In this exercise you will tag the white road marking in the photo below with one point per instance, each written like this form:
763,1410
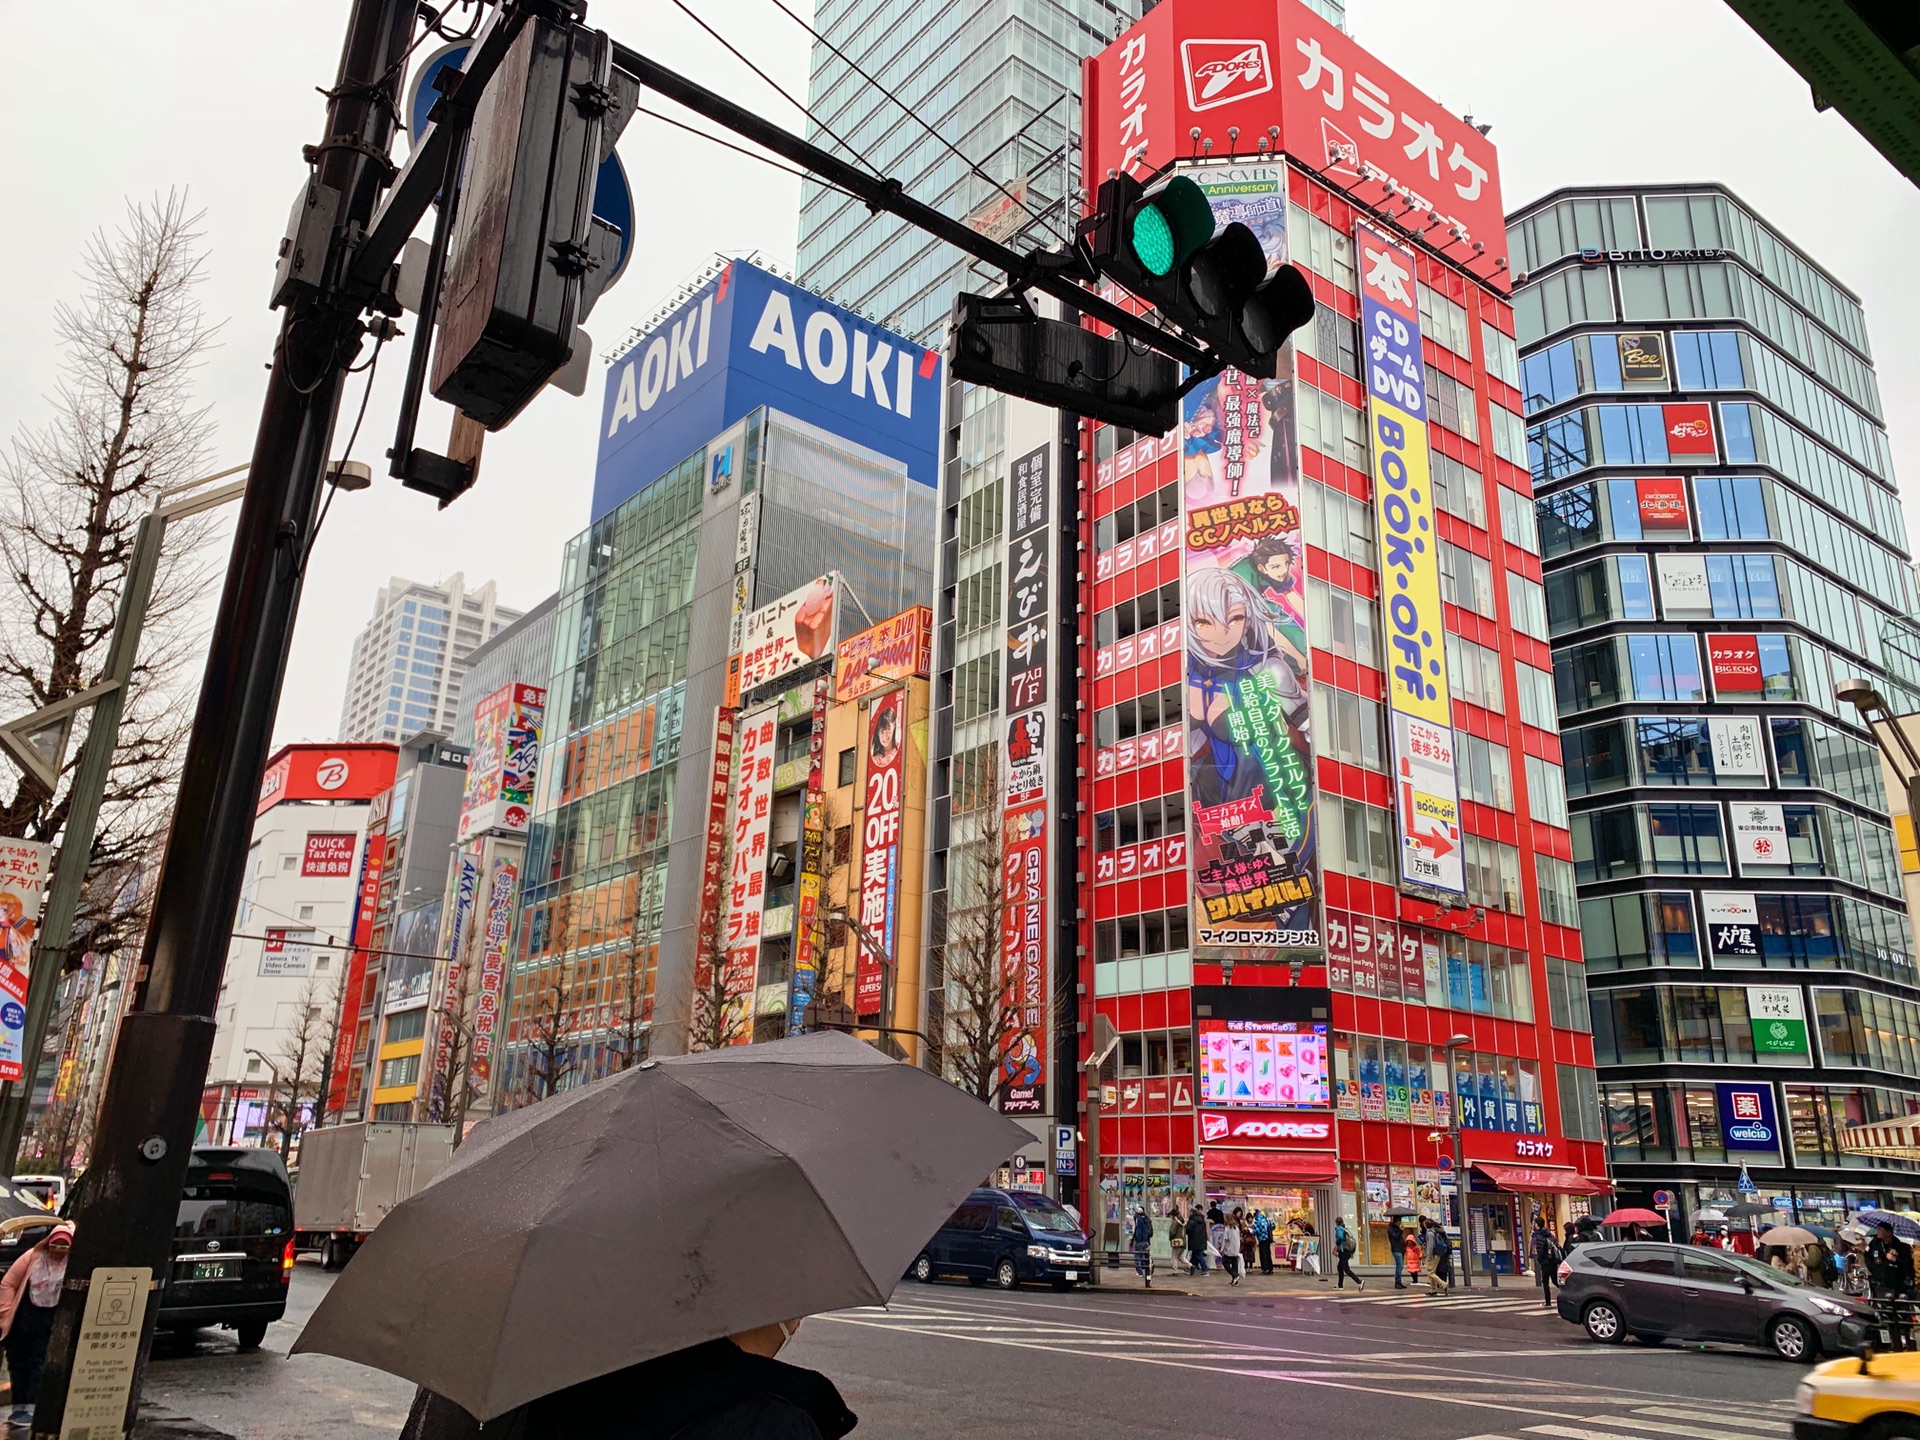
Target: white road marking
1777,1427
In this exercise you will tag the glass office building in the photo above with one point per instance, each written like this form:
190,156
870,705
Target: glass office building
1722,542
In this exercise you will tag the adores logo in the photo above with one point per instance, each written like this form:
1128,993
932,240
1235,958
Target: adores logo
1220,72
1216,1128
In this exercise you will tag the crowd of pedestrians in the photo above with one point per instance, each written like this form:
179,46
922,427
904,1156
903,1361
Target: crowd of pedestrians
1202,1241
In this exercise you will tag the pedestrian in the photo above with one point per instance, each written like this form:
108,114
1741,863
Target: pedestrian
1215,1215
1699,1235
1546,1257
1397,1247
1143,1246
1343,1247
1819,1265
1440,1251
1177,1236
1196,1242
1889,1273
1263,1241
1412,1252
1230,1248
1241,1219
29,1295
1853,1276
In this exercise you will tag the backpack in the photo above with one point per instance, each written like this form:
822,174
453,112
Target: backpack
1346,1242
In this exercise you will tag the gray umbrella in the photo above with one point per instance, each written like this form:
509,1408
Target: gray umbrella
687,1199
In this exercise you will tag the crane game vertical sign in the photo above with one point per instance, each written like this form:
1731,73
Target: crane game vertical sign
1427,795
1023,824
1251,843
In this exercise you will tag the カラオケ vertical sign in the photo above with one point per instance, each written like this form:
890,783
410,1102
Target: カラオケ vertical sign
1419,703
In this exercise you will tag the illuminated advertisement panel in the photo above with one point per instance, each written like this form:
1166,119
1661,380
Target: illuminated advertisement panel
1419,704
1265,1064
1251,842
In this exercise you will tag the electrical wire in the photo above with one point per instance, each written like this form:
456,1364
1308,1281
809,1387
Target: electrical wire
373,362
781,90
914,115
783,168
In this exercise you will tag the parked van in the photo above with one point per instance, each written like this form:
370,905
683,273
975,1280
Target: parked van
1008,1236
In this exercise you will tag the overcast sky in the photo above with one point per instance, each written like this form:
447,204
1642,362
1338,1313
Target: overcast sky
218,96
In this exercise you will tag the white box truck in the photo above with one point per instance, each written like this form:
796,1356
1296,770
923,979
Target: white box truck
352,1175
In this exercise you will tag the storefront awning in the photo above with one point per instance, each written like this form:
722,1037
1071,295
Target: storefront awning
1301,1167
1539,1178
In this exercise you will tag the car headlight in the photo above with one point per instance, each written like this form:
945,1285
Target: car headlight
1828,1307
1039,1252
1803,1398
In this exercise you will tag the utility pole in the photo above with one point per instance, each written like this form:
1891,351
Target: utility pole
145,1133
90,784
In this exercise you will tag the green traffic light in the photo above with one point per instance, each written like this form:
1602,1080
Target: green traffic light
1152,240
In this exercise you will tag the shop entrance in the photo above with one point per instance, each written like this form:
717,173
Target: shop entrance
1300,1214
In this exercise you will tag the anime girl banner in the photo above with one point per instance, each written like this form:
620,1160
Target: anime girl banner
1419,702
1251,842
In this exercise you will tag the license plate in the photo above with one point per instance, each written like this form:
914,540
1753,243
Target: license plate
1073,1274
211,1270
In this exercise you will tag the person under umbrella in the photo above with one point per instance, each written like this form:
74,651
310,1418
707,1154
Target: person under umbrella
497,1289
1890,1274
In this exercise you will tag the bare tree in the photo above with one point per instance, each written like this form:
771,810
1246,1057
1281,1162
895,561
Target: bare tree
550,1048
303,1051
627,985
450,1080
719,1018
968,959
72,491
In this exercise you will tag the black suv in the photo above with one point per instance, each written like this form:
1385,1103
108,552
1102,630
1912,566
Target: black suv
1657,1292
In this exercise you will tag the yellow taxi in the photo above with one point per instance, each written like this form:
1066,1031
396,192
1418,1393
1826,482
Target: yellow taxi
1872,1398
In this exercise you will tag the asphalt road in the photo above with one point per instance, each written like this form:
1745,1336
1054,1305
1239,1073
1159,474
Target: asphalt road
950,1361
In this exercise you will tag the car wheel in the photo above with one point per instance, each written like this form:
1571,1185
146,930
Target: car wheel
923,1270
1793,1338
251,1333
1603,1323
1006,1276
1892,1427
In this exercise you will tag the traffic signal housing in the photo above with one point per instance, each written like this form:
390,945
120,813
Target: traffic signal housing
1213,282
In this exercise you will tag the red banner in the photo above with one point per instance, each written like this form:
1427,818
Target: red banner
1689,431
880,852
1735,662
328,854
714,860
1663,503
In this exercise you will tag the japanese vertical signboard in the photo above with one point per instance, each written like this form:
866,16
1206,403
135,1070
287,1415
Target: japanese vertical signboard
1023,823
708,938
493,967
1251,842
880,851
506,753
750,825
23,877
813,834
1419,703
1778,1016
446,1013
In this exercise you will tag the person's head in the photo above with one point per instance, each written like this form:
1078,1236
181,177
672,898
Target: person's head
1273,560
1224,616
1202,421
766,1340
1883,1231
60,1239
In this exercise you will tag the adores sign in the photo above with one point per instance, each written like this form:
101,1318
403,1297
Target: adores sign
1232,1127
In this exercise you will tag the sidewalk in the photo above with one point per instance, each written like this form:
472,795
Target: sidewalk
1169,1281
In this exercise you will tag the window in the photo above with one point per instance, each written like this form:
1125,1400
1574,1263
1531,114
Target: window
1473,674
289,862
976,601
409,1025
976,687
1517,523
305,912
1451,403
1345,623
253,1065
1567,227
1630,932
1527,603
1493,874
1503,357
982,514
1155,710
1559,895
1597,592
1574,296
1537,706
1579,1103
1567,994
1337,523
1444,321
1485,771
401,1070
1336,430
1357,839
1661,839
1509,435
1349,727
1546,792
1145,611
1466,579
1458,489
843,772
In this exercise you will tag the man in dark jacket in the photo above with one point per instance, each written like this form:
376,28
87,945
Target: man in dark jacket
1197,1241
1397,1247
1546,1257
730,1389
1890,1273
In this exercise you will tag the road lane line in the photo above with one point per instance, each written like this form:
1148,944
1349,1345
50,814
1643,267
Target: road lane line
1777,1427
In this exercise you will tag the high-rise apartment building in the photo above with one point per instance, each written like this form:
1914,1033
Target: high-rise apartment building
1325,873
409,660
1722,542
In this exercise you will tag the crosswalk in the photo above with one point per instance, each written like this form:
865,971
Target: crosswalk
1725,1420
1512,1301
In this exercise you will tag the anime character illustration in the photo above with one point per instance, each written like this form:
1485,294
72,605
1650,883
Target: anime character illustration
1200,442
16,933
1020,1066
1273,569
1232,637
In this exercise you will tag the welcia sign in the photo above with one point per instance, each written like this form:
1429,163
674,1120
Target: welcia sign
748,339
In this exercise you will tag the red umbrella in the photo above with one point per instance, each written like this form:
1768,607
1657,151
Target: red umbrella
1634,1217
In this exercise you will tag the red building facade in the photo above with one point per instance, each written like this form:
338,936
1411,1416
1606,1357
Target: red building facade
1314,1077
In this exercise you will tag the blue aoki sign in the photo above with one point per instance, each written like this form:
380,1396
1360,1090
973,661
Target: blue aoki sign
748,339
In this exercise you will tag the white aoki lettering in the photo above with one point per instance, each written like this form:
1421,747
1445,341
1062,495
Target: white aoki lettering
775,330
826,362
680,351
870,367
903,387
626,403
653,371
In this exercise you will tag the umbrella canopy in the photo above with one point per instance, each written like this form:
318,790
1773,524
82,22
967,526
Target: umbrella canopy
1786,1235
1711,1216
1402,1212
1903,1227
1631,1216
1747,1209
606,1226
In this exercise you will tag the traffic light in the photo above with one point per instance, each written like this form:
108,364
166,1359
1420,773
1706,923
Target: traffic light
1212,281
1002,343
